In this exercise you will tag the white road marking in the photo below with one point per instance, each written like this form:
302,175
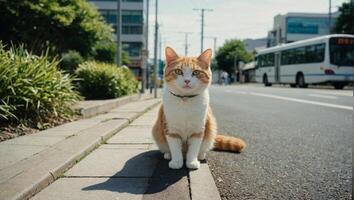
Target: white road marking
302,101
347,94
235,92
322,96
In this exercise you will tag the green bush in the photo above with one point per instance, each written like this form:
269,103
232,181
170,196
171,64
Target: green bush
104,81
70,61
31,87
105,51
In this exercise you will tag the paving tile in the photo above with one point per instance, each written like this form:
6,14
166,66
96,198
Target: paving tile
139,106
94,188
133,135
78,125
34,139
11,154
117,115
116,162
57,133
202,184
168,183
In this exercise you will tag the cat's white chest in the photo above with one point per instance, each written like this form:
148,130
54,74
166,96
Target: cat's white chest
185,116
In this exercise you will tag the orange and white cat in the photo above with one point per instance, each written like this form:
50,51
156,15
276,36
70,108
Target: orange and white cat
186,127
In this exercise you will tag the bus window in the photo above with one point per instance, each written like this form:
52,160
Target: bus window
301,55
342,51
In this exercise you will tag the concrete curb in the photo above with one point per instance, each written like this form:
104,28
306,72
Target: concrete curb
202,184
92,108
48,173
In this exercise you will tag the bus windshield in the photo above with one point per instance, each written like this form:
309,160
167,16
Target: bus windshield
342,51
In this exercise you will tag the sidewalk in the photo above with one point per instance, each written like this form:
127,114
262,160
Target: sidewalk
30,163
128,166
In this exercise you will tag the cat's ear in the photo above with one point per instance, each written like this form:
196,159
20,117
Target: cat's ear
205,57
171,55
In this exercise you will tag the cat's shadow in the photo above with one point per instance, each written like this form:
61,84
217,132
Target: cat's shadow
137,178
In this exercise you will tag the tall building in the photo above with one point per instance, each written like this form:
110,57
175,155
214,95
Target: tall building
292,27
133,29
254,45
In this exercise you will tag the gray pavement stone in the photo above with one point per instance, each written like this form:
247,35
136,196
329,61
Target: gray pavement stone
10,154
127,146
144,122
57,133
139,106
117,115
34,140
167,183
133,135
116,162
94,188
202,184
78,125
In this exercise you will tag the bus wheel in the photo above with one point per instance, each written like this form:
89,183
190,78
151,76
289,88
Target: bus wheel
300,81
338,86
265,81
293,85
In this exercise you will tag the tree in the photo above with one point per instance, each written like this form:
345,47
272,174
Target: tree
345,21
61,24
232,51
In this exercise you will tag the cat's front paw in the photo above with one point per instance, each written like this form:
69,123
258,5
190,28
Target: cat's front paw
195,164
175,164
202,156
167,156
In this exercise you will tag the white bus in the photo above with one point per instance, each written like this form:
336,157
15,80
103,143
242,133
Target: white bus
321,60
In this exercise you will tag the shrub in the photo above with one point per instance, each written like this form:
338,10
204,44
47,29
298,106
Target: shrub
70,61
105,52
31,87
103,81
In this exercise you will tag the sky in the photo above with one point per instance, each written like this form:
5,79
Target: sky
229,19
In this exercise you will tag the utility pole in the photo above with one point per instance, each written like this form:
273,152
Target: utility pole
202,27
155,49
186,42
329,16
215,39
119,34
145,56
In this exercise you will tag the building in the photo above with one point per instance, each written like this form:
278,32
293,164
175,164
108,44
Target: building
133,29
254,45
292,27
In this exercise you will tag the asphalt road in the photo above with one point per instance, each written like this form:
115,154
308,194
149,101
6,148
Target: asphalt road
299,143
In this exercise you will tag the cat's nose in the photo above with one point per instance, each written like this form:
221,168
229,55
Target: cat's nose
187,81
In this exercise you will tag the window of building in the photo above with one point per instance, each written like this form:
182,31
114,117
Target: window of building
132,29
132,48
301,55
109,15
132,17
306,25
132,20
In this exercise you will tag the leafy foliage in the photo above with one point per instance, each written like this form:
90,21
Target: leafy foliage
103,81
345,21
231,51
62,24
70,61
105,52
32,86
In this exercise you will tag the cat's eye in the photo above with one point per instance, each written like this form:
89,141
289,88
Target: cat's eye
178,72
196,73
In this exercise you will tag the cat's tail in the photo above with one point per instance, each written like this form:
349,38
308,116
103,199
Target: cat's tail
228,143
